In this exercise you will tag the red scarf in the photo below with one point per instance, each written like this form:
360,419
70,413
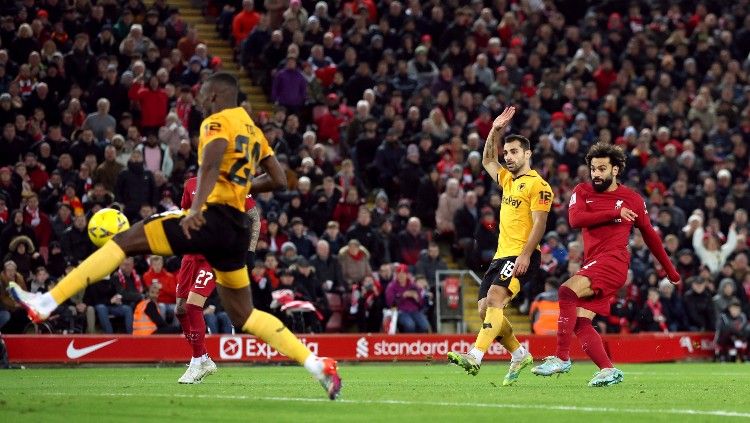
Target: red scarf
136,280
356,256
656,311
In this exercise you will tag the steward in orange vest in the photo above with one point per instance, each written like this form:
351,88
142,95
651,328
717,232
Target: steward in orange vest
146,318
545,310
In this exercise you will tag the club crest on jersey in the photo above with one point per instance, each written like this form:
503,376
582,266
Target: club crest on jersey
618,204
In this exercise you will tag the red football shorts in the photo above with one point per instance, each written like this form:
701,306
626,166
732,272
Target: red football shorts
607,275
195,276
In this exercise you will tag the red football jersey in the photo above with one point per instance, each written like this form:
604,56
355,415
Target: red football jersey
188,193
604,230
598,214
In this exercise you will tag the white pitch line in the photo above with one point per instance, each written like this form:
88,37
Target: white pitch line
719,413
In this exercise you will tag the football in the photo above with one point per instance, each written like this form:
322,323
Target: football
104,224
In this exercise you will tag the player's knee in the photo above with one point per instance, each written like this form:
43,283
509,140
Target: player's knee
238,317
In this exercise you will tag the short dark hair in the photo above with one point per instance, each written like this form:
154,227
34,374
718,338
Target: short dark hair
601,150
525,143
224,79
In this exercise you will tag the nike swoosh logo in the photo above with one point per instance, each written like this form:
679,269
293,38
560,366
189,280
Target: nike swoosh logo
74,352
589,201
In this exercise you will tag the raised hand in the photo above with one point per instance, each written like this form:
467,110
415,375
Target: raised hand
504,119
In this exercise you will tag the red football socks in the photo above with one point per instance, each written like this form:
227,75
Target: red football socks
197,335
566,323
592,343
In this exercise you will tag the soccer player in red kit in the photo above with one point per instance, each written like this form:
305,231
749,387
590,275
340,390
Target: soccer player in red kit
196,282
605,211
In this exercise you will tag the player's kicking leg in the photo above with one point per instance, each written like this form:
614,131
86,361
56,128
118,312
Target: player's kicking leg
238,304
98,265
593,346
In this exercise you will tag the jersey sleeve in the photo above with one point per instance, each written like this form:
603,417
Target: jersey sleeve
579,214
265,147
214,128
541,196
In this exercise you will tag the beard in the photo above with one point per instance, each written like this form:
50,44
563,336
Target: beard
601,185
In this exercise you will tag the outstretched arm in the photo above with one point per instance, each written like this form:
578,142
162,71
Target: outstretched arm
656,246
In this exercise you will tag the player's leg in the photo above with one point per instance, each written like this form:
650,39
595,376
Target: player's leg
576,287
593,346
201,364
234,291
98,265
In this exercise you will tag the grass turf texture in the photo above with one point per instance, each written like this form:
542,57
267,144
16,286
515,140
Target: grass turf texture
375,392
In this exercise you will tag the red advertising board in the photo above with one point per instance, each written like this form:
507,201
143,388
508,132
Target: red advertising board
641,348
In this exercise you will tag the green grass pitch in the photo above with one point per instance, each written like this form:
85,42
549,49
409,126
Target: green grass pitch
375,392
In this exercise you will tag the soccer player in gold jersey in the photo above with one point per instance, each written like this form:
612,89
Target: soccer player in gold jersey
230,149
527,199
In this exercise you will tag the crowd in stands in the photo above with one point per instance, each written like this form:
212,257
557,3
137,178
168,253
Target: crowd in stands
382,109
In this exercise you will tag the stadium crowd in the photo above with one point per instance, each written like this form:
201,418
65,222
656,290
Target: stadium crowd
382,111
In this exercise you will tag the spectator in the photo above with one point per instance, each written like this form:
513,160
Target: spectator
217,320
709,251
21,252
724,295
100,121
39,222
450,201
545,309
289,86
732,331
157,274
363,231
131,286
156,155
147,319
407,298
699,307
106,172
11,314
106,297
651,317
75,240
305,275
152,100
411,241
430,263
354,260
244,22
327,267
672,307
15,228
300,240
333,236
135,186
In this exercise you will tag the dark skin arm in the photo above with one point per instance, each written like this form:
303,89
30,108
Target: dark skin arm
208,174
274,177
